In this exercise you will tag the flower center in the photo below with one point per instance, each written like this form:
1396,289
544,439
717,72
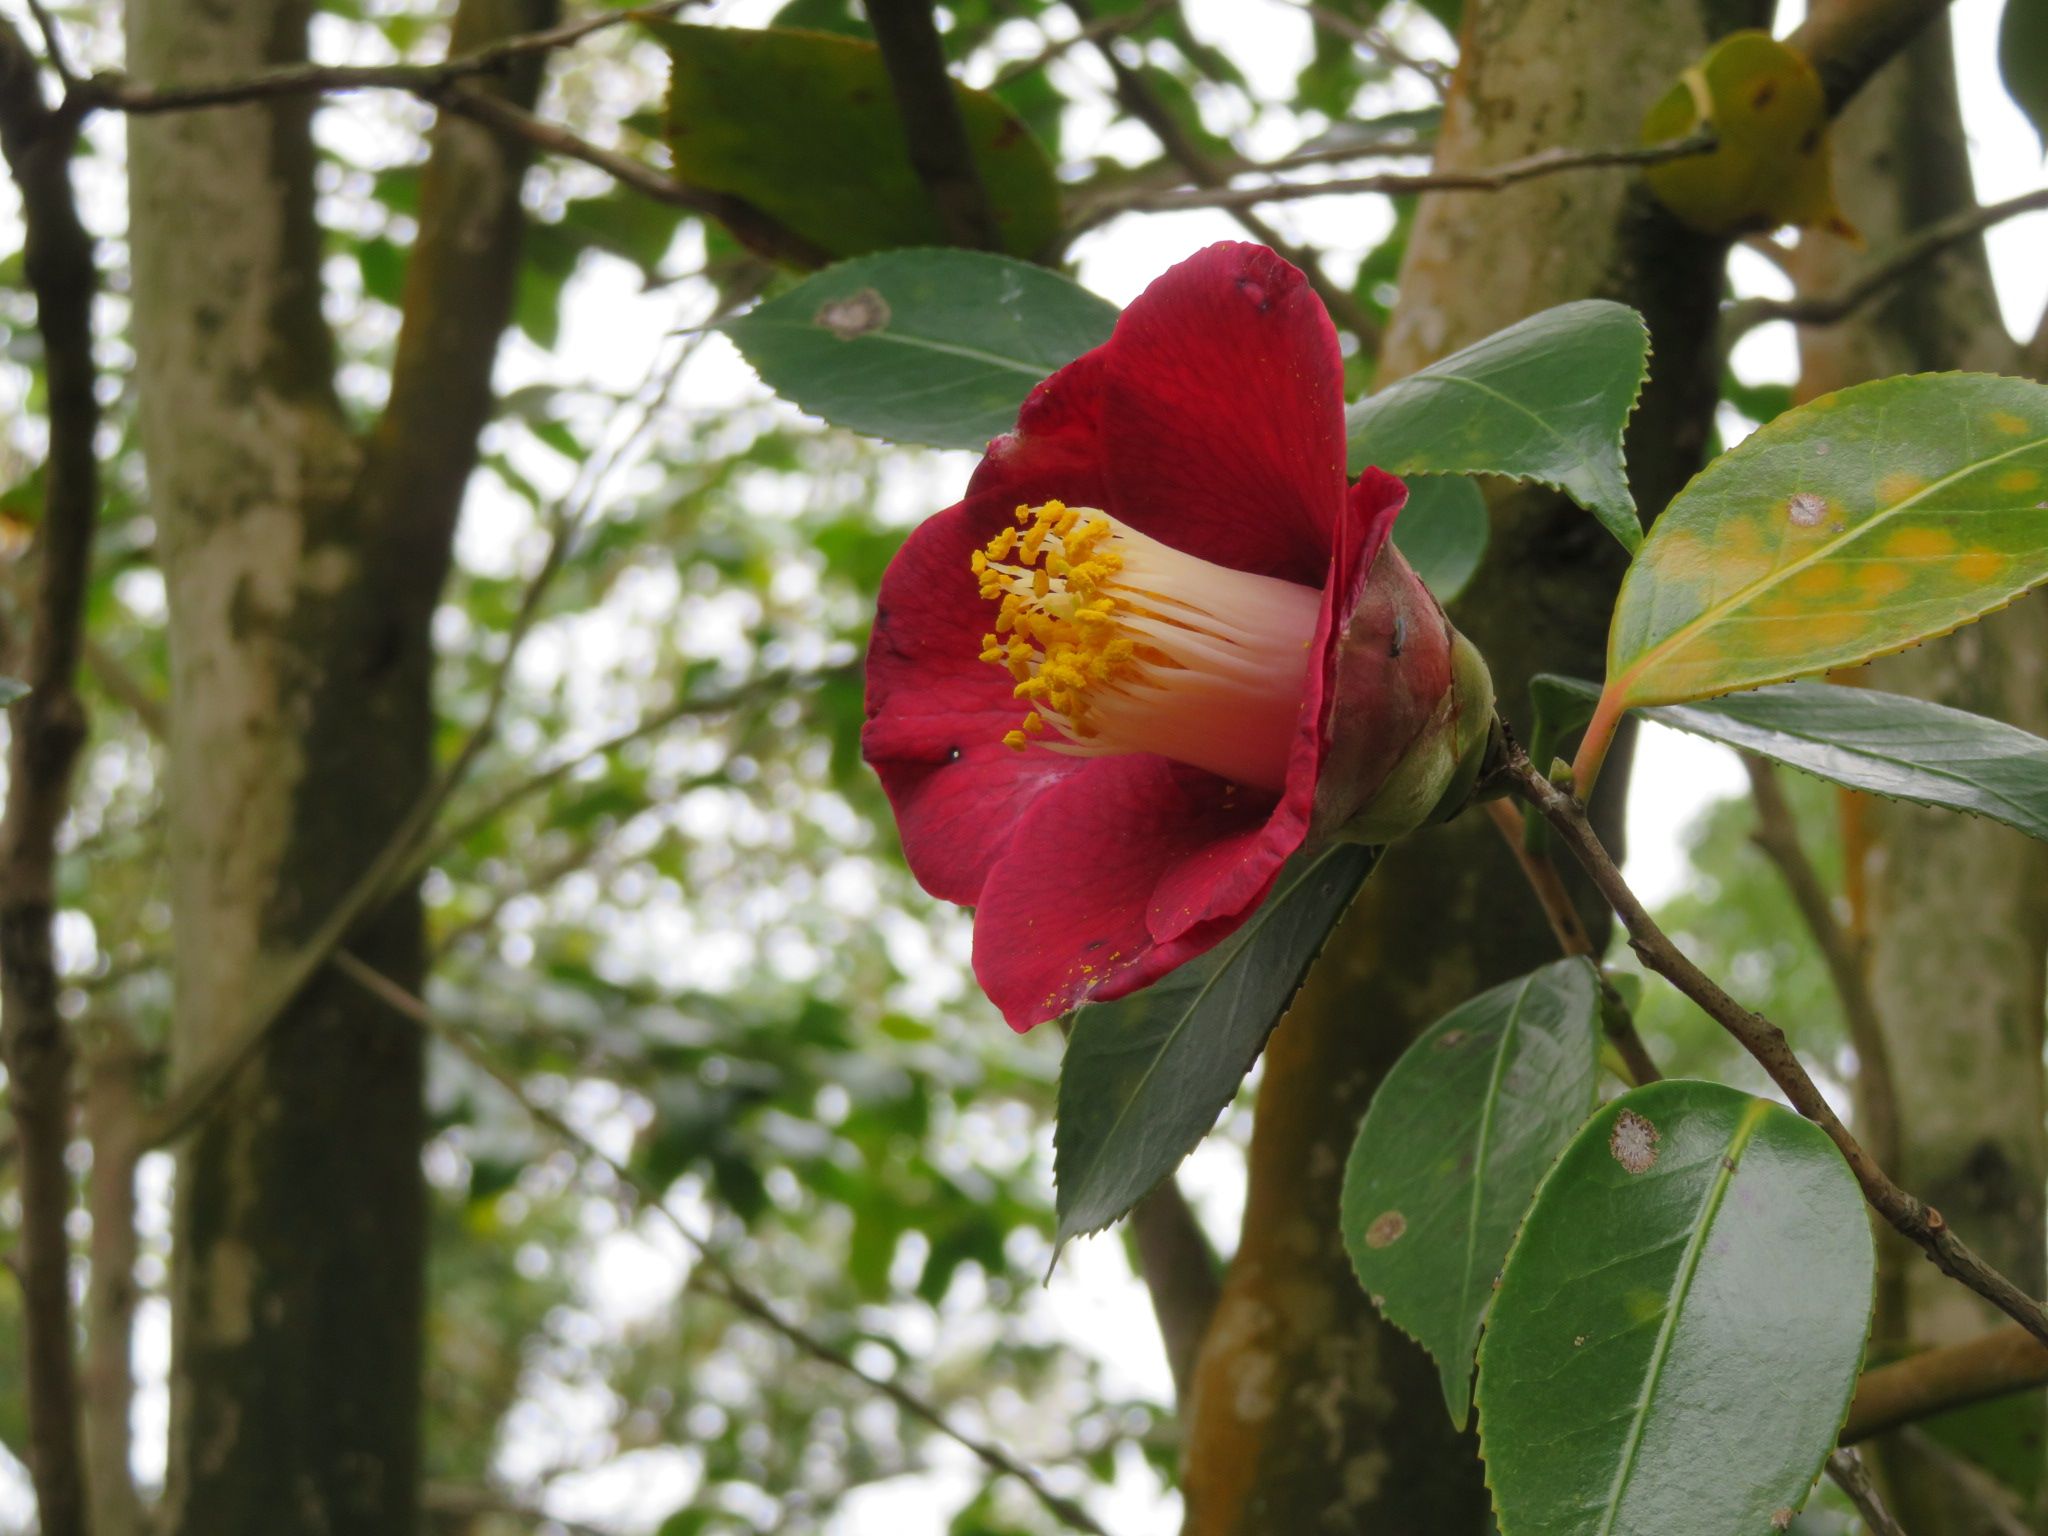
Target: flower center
1122,644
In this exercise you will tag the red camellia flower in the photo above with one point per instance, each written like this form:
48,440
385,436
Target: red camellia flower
1160,647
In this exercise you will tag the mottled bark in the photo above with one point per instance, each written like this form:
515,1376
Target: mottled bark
1957,909
302,566
1310,1415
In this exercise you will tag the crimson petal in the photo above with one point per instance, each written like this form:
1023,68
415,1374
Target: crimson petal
937,713
1222,405
1063,917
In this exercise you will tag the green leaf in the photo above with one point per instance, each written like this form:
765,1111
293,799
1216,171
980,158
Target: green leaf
1857,525
1880,743
1452,1149
2023,59
1770,162
1680,1325
1544,400
937,347
1146,1076
1443,532
804,127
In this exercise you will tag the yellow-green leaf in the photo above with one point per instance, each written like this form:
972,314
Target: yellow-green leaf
803,127
1766,107
1859,524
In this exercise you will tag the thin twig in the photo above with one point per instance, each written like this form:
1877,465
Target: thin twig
1547,884
1899,262
1846,1467
49,730
758,230
1547,162
53,45
652,724
1777,835
934,133
1107,27
724,1281
1765,1042
445,85
115,92
1949,1376
1380,43
1135,92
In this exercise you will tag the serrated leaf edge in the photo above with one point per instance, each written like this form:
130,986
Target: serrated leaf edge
1061,1236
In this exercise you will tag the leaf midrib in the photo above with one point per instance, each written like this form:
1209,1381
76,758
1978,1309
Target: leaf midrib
923,343
1681,1285
1715,614
1500,1057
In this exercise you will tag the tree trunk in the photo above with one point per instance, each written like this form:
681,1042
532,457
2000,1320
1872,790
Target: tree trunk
1310,1415
1957,909
302,566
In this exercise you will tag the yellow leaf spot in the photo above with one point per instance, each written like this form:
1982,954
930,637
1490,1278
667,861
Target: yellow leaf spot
1898,485
1921,543
1981,565
2018,480
2005,421
1828,630
1875,583
1818,581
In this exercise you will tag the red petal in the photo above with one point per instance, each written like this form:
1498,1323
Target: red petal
1223,414
937,713
1063,918
1056,452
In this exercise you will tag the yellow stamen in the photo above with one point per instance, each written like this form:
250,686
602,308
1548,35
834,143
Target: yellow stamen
1123,644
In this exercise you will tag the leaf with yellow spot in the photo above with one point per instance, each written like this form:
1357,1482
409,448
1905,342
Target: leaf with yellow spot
1857,525
1769,114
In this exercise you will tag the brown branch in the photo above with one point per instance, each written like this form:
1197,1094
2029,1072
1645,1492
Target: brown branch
722,1281
116,93
1847,44
757,230
1135,92
1547,162
1922,246
1544,881
933,131
1767,1044
451,85
1846,1467
1950,1376
1180,1273
1777,835
53,45
1547,885
49,730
